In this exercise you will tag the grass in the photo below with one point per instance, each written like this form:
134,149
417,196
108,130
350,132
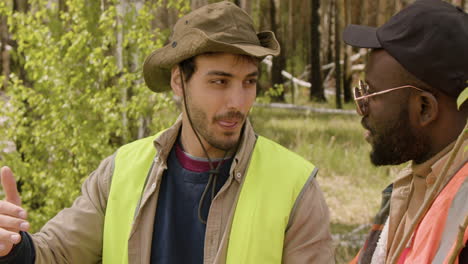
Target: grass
335,144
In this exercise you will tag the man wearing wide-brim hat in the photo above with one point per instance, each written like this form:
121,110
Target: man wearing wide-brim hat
206,190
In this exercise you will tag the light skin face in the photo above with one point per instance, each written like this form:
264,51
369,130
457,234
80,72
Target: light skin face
397,122
219,95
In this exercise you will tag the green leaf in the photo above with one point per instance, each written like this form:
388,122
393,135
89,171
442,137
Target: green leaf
462,98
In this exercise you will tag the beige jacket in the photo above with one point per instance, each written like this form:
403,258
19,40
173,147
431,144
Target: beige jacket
413,188
75,235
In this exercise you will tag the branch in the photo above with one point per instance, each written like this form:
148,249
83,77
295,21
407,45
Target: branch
460,243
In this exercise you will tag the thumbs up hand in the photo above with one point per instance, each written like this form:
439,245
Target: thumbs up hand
12,216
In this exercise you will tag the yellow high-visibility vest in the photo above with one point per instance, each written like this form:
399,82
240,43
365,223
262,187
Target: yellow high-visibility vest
275,177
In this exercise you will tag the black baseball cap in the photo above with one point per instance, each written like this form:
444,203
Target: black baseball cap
429,38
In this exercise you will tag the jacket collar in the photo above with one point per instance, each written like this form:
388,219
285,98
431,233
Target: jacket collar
425,168
164,143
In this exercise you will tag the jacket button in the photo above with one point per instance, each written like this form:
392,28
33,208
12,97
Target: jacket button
153,186
238,176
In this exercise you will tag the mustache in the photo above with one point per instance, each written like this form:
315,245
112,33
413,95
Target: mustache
230,115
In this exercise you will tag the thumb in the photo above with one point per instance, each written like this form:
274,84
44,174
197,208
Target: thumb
9,186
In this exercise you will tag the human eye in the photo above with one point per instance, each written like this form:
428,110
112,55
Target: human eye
252,81
218,81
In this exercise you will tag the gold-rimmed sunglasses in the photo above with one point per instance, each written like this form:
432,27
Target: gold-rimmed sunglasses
362,95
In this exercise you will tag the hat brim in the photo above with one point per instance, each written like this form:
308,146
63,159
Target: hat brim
157,66
361,36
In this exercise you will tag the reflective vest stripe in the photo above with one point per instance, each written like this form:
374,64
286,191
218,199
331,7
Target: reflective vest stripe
457,213
436,223
275,177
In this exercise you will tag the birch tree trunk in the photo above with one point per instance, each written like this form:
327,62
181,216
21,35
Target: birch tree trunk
119,56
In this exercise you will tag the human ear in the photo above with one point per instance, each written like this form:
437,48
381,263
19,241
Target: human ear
428,108
176,81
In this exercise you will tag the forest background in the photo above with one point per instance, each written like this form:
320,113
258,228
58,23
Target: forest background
72,92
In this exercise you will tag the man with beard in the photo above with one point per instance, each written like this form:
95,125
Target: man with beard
417,68
206,190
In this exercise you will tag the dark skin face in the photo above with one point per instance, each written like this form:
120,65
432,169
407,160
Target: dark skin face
406,124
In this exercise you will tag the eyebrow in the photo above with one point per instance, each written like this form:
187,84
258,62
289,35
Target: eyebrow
227,74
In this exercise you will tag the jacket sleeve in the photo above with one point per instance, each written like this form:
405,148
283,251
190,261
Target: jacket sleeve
308,238
75,234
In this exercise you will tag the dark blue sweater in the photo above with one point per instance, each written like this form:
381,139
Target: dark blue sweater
179,235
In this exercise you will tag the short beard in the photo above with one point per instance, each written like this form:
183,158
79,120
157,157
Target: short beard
399,143
200,124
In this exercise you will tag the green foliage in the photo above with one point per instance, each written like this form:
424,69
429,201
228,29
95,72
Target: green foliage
463,97
182,5
83,95
272,92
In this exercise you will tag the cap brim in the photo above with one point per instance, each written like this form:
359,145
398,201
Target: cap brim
361,36
157,66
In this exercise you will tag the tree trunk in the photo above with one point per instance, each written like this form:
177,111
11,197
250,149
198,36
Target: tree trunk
246,5
460,3
21,5
122,6
391,10
16,65
373,11
403,3
62,5
329,54
198,3
315,77
293,42
357,12
305,16
347,74
280,61
337,19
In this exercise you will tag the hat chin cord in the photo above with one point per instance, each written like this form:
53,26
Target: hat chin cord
214,172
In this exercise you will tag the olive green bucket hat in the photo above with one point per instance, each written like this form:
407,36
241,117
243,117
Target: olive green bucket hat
219,27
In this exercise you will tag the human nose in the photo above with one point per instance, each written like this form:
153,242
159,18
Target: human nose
236,98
